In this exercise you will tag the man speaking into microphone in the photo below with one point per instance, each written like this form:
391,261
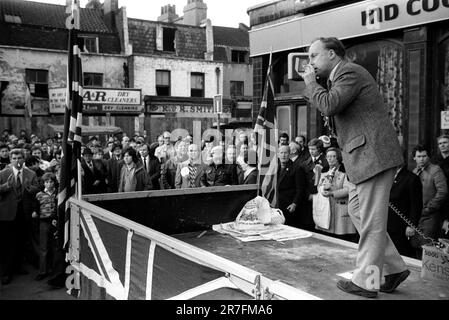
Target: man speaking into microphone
371,154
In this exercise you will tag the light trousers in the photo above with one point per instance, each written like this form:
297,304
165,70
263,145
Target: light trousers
368,209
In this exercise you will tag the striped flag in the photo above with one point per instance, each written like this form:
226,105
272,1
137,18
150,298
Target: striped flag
71,144
267,141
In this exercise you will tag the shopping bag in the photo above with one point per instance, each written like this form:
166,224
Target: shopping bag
321,211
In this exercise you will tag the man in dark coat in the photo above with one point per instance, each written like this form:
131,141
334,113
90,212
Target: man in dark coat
94,174
406,196
114,166
291,190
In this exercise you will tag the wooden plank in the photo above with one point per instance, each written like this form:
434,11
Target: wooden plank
312,265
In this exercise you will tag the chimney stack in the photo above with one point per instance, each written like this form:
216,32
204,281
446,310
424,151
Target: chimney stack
195,12
110,7
168,14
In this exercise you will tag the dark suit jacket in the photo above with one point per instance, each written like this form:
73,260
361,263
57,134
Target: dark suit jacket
250,179
114,167
99,173
364,132
405,195
291,186
9,196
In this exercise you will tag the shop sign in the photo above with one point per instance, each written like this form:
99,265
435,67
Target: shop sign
112,96
189,111
100,100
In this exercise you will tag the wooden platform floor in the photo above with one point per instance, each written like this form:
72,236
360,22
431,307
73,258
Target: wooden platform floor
312,265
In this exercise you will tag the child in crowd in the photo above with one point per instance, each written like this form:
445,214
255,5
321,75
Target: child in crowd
45,211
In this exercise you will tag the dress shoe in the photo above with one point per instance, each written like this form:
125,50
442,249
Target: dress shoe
392,281
6,280
352,288
41,276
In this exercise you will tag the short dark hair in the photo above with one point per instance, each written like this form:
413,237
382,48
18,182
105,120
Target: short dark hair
315,142
420,148
3,146
31,161
332,43
338,152
132,153
284,135
49,176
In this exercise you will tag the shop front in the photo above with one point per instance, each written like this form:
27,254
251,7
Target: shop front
403,44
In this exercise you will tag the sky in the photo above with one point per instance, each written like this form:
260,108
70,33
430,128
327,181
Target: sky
226,13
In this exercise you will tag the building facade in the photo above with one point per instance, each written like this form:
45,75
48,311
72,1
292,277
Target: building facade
403,44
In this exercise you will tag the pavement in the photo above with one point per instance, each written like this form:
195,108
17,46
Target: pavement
25,287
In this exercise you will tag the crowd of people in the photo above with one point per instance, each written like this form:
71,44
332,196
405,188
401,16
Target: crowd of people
307,172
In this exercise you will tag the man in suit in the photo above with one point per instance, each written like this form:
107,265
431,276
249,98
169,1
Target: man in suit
291,189
371,154
18,186
114,166
94,174
191,173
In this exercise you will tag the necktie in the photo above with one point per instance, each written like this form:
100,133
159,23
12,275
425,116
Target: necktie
91,167
145,163
192,174
19,185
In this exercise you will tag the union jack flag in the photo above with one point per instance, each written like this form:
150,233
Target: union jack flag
71,144
267,141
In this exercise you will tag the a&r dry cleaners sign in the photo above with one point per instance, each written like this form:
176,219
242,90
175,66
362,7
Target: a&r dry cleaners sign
100,100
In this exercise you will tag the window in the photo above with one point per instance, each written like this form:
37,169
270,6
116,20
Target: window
197,85
12,19
166,39
90,44
169,39
239,56
93,79
163,83
237,88
37,81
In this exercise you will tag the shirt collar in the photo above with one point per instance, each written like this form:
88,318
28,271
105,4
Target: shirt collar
48,191
331,76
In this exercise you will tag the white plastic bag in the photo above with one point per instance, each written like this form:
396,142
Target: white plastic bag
257,213
321,211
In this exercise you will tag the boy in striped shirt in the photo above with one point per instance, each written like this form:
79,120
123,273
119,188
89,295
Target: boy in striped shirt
46,209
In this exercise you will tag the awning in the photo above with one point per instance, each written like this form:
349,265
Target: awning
90,130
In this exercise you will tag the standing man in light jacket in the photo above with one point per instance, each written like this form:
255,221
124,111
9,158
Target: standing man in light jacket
371,153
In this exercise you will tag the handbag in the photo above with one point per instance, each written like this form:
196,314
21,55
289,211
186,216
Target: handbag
321,211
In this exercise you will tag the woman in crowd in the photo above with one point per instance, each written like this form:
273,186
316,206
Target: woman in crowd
334,186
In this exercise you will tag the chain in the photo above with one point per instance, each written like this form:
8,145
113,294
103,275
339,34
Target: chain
435,243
